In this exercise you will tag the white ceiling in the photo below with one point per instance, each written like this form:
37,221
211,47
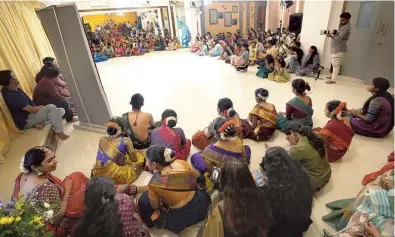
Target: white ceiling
102,4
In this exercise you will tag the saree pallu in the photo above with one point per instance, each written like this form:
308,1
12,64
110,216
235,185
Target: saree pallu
52,192
381,126
264,72
339,136
172,138
218,156
297,104
195,48
117,165
266,125
175,219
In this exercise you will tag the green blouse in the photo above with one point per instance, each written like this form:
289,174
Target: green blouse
316,167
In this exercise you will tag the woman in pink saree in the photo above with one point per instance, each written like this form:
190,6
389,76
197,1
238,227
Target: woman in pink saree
171,137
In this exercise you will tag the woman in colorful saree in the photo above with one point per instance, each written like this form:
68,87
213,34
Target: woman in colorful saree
108,213
299,108
261,123
173,201
376,118
37,184
171,137
309,149
116,158
196,46
225,109
289,192
337,133
227,147
232,212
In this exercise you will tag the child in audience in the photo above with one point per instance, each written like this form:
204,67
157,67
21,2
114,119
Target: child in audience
253,52
280,73
119,50
245,59
267,67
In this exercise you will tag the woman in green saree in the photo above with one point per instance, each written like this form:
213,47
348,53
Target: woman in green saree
299,108
309,149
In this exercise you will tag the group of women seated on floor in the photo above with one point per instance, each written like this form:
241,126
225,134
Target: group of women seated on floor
177,195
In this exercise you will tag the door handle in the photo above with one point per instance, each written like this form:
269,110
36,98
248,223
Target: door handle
378,28
385,28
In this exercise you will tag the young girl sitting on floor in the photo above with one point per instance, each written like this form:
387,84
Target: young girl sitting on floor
245,58
280,73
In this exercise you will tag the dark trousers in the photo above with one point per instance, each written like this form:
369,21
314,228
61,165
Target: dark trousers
63,103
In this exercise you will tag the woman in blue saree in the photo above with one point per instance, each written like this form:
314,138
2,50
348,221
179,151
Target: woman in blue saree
299,108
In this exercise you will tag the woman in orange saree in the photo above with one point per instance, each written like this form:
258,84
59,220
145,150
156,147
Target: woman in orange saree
202,139
337,133
261,123
37,184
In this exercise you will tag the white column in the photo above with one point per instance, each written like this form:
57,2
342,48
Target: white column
172,31
192,19
160,20
316,16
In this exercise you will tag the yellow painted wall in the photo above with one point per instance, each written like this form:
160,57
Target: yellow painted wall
102,18
220,27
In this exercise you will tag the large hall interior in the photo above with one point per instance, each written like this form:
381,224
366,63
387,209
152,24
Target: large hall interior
208,118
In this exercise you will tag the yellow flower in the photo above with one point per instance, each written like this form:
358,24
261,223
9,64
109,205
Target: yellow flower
37,219
19,205
3,220
18,219
11,219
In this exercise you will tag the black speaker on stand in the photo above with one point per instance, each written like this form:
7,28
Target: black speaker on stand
295,23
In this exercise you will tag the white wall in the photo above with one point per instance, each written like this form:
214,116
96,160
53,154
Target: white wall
315,18
334,20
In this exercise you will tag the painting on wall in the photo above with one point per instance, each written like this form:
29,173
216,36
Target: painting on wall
228,19
213,16
235,9
234,22
220,15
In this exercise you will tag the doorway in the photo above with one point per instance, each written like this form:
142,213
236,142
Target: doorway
371,44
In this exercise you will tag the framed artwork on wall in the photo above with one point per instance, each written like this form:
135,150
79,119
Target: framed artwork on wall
235,9
220,15
213,15
228,19
234,22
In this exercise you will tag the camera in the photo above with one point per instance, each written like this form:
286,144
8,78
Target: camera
324,32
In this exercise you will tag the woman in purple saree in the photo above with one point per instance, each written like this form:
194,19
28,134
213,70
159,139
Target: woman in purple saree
376,118
226,148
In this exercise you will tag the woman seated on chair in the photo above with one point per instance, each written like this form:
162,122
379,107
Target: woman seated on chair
170,136
309,149
225,109
232,212
311,65
376,118
173,201
137,123
299,108
261,123
37,184
289,192
337,133
109,213
116,157
226,148
245,56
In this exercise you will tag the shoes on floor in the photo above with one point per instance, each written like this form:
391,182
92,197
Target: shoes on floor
330,82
